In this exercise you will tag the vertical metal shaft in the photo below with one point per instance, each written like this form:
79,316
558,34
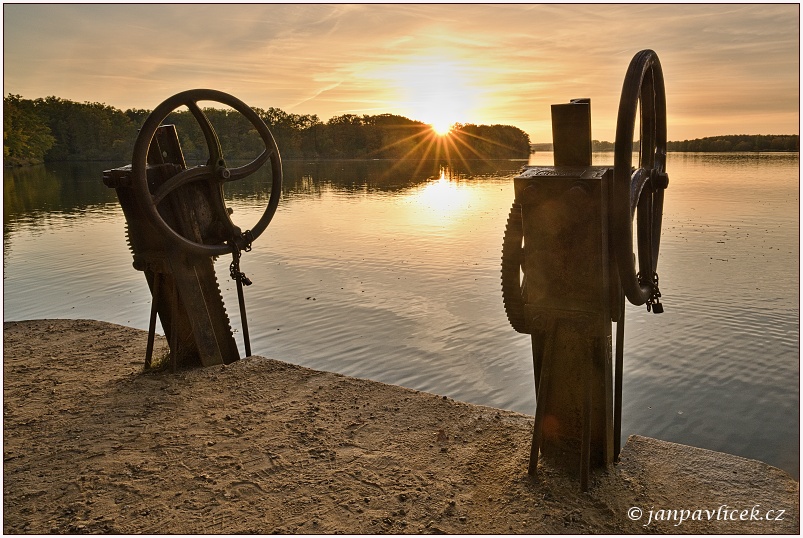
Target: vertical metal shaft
243,317
617,392
571,133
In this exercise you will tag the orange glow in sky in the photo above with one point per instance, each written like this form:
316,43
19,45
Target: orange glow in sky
729,68
433,88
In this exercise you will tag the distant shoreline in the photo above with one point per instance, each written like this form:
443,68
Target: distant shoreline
363,159
681,151
771,143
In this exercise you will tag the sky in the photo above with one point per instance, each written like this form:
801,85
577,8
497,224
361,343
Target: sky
729,68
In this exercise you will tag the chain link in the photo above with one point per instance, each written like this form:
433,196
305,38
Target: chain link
654,300
236,253
249,238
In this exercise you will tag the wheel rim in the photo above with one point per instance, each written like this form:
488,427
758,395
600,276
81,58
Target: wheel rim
640,191
214,170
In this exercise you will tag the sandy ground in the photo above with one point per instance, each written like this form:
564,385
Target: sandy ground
93,444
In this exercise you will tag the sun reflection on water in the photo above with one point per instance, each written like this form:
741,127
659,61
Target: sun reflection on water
442,200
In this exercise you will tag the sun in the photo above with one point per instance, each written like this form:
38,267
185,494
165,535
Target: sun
442,128
436,88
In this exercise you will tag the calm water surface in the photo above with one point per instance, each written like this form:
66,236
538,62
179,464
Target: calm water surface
392,274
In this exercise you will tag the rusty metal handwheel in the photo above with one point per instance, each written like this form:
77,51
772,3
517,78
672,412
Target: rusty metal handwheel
215,171
513,288
641,189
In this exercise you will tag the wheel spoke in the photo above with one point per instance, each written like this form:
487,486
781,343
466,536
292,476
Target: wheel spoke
657,217
248,169
212,141
637,182
182,178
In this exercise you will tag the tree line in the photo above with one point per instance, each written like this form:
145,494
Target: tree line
710,144
738,143
55,129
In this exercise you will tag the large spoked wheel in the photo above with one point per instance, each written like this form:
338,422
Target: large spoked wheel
215,172
640,190
513,286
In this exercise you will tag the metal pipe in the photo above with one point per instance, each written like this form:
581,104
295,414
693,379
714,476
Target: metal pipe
243,317
617,392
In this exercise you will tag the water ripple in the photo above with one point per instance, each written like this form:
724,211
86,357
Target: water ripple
402,286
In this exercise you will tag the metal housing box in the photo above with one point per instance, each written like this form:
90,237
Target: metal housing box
567,303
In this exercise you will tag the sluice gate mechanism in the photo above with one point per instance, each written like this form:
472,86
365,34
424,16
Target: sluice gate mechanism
568,263
178,224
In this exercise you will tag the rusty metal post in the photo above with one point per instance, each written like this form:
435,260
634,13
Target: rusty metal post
564,212
184,287
178,223
571,133
568,263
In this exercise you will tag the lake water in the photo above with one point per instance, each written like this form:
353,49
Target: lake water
392,273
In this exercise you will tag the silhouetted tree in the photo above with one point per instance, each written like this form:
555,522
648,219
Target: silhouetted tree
26,136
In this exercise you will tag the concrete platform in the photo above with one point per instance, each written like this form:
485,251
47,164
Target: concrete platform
94,444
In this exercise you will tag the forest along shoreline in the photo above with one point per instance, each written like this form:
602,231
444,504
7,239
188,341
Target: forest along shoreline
53,129
92,443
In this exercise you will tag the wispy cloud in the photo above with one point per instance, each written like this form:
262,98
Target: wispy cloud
729,68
